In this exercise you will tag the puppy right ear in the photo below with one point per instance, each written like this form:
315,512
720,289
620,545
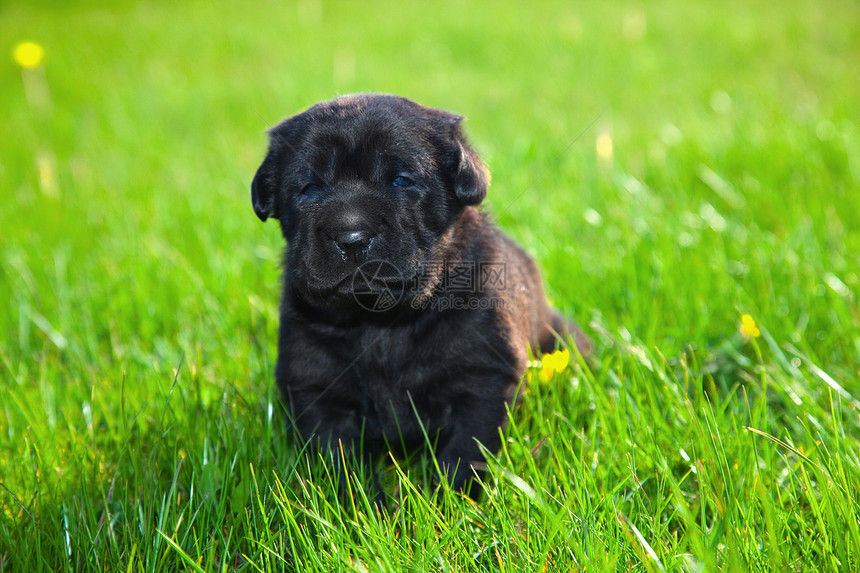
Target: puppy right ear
264,187
269,180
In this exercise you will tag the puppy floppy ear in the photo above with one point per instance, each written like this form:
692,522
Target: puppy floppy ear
268,183
264,187
472,179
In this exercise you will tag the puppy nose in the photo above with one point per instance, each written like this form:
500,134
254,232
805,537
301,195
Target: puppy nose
353,242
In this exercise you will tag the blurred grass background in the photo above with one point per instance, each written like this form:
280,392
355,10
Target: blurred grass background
726,183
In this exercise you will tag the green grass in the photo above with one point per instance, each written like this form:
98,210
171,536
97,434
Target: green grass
139,430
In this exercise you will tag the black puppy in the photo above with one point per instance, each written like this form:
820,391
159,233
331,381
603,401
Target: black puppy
404,309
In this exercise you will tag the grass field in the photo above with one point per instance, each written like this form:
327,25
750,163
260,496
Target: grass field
673,166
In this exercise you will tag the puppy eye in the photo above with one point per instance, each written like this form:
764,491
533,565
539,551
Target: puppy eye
402,181
311,188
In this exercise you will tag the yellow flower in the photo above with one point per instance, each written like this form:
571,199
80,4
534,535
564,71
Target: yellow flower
603,146
550,364
748,326
28,54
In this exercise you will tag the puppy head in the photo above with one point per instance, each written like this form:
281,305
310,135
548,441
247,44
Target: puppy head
365,178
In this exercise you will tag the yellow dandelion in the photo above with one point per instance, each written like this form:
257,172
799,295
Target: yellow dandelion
545,373
562,359
28,54
603,146
749,327
553,363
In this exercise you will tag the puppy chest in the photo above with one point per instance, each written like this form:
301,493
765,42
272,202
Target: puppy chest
398,399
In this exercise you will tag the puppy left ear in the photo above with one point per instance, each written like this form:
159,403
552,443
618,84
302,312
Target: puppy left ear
472,179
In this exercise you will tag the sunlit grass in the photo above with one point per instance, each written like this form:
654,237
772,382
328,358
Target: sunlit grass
686,176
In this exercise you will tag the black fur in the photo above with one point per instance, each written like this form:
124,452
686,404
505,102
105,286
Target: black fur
367,178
